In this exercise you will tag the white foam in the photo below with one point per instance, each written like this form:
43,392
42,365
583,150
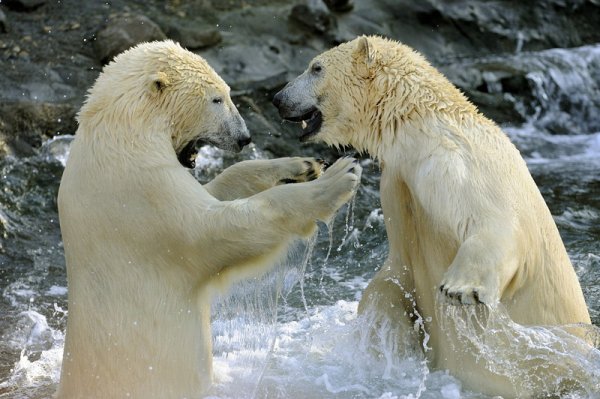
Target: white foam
56,290
209,158
18,293
43,371
580,219
532,358
541,148
38,367
326,354
58,148
450,391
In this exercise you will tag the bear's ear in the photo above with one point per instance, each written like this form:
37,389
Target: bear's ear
158,82
364,56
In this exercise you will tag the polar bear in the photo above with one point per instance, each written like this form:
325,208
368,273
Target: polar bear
146,244
464,218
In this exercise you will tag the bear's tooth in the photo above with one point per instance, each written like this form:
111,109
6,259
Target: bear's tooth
304,124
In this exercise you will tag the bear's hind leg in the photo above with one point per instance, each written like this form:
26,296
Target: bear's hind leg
388,306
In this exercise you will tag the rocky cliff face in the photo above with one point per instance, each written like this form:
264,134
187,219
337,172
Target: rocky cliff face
51,52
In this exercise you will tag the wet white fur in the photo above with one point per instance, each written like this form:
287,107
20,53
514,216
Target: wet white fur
146,244
462,212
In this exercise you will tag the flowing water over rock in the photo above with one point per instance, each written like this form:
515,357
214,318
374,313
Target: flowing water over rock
295,332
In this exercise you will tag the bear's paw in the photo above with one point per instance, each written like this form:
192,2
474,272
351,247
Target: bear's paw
298,170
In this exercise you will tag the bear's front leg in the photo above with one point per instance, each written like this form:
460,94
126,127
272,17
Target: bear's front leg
247,178
257,230
484,265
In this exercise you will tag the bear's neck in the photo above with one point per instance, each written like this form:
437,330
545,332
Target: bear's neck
409,121
397,105
135,144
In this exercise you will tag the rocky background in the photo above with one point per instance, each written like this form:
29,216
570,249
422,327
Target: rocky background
51,51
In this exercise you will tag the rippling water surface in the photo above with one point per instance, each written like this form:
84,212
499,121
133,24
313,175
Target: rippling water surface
295,332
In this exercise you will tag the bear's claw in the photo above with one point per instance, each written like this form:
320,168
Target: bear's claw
462,296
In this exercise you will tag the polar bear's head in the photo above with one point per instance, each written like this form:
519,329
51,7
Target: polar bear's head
327,97
351,91
159,88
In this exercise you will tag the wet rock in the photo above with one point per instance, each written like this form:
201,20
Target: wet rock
259,45
556,88
508,26
314,15
249,67
3,22
496,88
24,5
501,108
194,37
339,5
24,125
123,33
270,133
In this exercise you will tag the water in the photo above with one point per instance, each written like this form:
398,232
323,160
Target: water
277,338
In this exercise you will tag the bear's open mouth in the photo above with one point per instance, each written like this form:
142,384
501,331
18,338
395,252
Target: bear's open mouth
187,156
310,121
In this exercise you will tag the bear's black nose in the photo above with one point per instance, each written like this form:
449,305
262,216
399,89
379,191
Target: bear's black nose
277,99
244,141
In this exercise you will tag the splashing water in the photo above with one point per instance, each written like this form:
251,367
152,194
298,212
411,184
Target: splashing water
295,332
545,360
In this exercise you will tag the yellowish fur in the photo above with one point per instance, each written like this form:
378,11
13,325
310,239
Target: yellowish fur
462,212
146,244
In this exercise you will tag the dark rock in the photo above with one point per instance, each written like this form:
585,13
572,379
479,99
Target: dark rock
258,45
24,125
3,22
498,107
24,5
249,67
496,88
314,15
270,133
194,37
558,89
508,26
123,33
339,5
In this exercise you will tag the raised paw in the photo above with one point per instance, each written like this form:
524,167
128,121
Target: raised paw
342,178
298,170
341,166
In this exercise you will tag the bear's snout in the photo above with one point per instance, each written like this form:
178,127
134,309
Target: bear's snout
277,99
282,102
244,141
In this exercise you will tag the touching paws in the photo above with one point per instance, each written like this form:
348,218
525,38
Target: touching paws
335,187
298,170
348,168
342,179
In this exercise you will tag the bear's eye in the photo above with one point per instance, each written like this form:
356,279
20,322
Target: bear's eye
316,68
217,100
159,85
